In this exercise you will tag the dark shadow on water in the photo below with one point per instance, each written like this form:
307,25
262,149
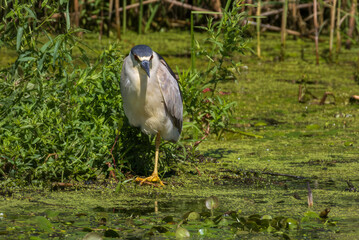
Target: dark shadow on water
218,153
155,206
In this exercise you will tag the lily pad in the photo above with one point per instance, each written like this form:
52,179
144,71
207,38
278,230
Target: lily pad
93,236
182,233
292,224
212,202
193,216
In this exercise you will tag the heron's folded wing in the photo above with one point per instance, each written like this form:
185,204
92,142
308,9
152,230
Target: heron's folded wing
171,93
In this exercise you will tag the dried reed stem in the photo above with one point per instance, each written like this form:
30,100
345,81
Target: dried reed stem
283,32
332,23
310,194
351,24
316,31
117,6
259,29
338,26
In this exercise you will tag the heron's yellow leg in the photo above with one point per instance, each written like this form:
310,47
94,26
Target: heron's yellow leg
154,177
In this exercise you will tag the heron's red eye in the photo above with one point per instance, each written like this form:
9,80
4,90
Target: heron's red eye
137,58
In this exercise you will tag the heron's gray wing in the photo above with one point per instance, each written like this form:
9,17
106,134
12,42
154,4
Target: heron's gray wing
171,93
163,61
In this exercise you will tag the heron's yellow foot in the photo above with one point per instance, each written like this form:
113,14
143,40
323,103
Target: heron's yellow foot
151,179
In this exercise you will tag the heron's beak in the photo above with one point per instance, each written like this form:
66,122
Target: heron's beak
146,66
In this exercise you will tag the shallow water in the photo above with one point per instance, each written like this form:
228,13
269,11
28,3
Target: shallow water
140,213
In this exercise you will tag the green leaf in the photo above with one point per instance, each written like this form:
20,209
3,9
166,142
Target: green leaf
36,140
43,4
44,224
45,46
40,64
32,14
57,45
26,59
10,14
20,32
268,217
312,214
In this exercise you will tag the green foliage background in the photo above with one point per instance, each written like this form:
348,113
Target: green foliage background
61,113
58,119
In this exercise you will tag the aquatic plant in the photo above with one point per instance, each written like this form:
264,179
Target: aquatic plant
112,223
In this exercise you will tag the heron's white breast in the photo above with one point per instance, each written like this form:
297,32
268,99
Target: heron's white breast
143,102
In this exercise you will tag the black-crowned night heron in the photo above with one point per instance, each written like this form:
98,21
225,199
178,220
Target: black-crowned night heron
151,98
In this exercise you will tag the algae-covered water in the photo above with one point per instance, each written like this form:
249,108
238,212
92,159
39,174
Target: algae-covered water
260,180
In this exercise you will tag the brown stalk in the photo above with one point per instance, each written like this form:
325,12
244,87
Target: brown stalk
338,27
250,8
293,9
320,13
206,133
275,12
216,6
310,196
259,29
185,5
316,31
332,23
136,5
117,6
110,6
112,173
300,93
275,28
50,155
77,14
283,31
351,24
326,94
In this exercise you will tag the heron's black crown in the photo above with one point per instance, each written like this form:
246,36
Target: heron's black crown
142,51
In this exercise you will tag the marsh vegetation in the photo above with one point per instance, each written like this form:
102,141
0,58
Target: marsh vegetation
257,132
